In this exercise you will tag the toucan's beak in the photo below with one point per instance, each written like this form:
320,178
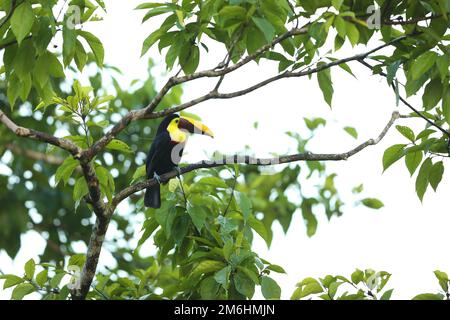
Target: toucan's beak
194,126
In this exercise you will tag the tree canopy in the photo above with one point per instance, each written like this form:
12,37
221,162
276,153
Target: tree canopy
73,150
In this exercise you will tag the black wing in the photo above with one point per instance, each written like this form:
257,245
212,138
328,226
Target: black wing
159,146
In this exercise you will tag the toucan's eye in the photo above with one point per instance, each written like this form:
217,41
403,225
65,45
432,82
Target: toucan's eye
177,121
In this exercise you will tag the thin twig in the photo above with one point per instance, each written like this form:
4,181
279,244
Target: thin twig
236,159
233,188
9,14
405,102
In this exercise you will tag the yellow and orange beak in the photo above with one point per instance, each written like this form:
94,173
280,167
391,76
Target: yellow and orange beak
194,126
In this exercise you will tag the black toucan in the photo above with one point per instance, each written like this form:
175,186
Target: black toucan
167,149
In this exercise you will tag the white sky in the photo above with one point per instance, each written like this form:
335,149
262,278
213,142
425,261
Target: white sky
406,238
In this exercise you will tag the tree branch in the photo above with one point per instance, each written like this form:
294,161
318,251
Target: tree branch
95,194
40,136
236,159
102,222
9,14
92,256
406,103
173,81
35,155
413,20
148,112
287,74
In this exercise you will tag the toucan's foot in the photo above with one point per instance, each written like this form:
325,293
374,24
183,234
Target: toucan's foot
157,177
178,170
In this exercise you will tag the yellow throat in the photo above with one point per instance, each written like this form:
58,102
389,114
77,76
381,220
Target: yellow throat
176,135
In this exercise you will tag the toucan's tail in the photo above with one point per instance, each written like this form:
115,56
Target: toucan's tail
152,197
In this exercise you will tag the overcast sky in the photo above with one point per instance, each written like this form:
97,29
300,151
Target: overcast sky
406,238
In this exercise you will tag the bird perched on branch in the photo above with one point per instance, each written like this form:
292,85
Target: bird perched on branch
167,149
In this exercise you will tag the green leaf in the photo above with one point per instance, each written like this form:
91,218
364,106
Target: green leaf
266,28
387,294
69,43
107,184
119,145
443,279
139,173
232,15
443,64
51,64
276,268
42,278
228,249
80,189
309,286
96,46
259,227
150,225
372,203
352,33
340,26
11,280
441,276
337,3
30,267
310,218
351,131
157,11
432,94
149,5
24,60
13,90
436,174
198,216
22,290
207,266
428,296
392,70
22,21
406,132
446,104
422,64
326,85
270,289
392,155
245,203
54,283
65,170
180,228
357,276
413,160
26,88
338,43
251,274
166,216
209,288
222,277
422,180
77,260
244,284
347,68
189,59
213,181
314,123
151,39
81,56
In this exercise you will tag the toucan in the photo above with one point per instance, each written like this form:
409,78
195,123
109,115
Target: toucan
166,151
